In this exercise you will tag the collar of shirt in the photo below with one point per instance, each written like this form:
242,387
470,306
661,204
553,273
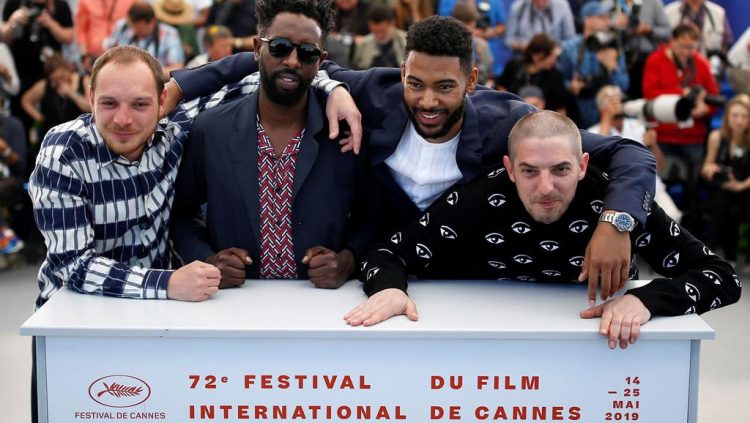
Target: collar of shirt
266,148
105,156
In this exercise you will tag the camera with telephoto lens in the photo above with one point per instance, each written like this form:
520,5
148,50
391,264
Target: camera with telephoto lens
601,40
669,108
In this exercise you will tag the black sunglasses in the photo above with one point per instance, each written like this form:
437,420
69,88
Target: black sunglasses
281,47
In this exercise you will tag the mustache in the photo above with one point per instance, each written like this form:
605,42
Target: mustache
118,128
546,199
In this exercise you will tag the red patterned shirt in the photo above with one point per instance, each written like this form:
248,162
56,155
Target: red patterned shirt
275,177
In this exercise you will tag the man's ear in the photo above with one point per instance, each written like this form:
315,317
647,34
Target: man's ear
471,81
584,165
257,44
509,168
162,101
91,103
403,71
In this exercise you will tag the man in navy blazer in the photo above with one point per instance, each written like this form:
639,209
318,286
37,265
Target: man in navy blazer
281,200
434,96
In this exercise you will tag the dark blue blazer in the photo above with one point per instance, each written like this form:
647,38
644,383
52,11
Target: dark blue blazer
333,196
488,119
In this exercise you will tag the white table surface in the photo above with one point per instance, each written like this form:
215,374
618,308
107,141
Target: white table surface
447,309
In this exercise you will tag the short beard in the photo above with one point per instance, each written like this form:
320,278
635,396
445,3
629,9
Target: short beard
454,117
282,98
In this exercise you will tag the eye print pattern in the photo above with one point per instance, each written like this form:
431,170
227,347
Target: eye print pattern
674,229
576,261
643,240
692,292
423,252
578,226
523,259
716,303
710,274
549,245
671,260
521,228
494,238
496,173
597,206
372,272
496,200
448,233
496,264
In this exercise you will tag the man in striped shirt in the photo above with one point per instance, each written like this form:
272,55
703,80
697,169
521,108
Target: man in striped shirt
102,188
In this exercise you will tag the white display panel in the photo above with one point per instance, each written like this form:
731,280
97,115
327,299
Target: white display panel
235,379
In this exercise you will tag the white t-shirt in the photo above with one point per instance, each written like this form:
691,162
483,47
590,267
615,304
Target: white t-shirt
424,170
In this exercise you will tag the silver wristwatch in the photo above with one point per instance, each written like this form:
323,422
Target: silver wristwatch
623,222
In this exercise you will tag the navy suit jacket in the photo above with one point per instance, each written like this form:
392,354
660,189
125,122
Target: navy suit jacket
488,119
332,196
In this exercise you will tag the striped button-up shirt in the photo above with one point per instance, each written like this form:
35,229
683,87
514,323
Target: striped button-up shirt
104,219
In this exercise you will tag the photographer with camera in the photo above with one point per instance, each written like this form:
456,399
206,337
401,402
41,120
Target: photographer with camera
592,60
530,17
678,68
727,170
34,30
711,20
642,26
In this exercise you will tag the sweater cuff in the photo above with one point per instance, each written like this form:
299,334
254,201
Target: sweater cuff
155,284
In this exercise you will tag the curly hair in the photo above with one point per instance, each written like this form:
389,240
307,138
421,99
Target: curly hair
320,11
441,36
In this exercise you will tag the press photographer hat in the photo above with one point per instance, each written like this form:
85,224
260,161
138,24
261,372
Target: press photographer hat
173,12
594,8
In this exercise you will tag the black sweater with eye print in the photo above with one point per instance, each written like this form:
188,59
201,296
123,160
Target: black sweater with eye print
482,231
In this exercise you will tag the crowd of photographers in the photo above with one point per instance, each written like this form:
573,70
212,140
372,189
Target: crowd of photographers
635,68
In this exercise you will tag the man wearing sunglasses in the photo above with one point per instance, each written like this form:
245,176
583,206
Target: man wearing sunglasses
282,202
429,128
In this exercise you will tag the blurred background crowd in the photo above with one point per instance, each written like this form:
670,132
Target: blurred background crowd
675,77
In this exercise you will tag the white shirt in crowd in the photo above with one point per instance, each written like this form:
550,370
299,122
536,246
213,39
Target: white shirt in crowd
739,54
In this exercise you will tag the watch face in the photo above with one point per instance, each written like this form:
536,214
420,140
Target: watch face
623,222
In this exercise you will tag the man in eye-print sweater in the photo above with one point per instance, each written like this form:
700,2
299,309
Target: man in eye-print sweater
531,221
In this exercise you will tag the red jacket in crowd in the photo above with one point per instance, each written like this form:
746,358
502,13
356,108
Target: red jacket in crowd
661,76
